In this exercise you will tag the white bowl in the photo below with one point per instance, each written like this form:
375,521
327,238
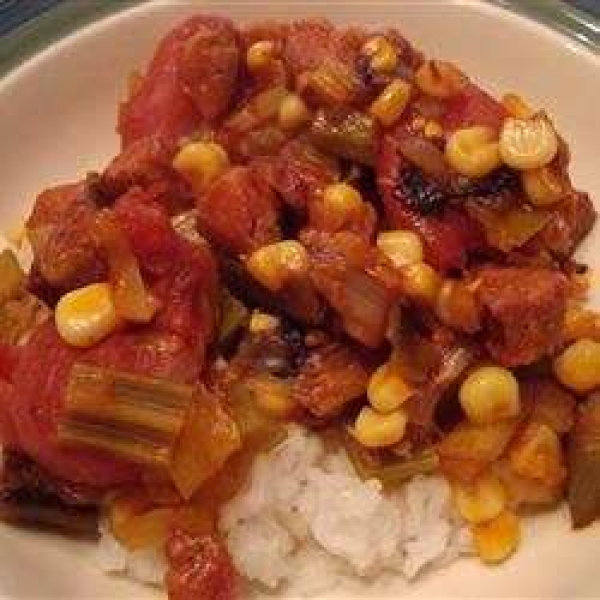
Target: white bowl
57,121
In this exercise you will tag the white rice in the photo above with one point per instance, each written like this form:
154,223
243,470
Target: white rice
305,521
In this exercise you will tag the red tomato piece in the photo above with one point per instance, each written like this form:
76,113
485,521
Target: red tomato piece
199,568
182,275
448,236
165,102
473,107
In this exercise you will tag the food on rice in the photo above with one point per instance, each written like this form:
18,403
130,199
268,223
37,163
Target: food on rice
318,320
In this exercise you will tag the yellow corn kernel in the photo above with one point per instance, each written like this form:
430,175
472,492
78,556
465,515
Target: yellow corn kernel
490,394
200,163
433,129
528,143
390,104
273,395
497,539
259,55
87,315
578,367
439,79
342,201
261,322
473,152
401,247
542,186
421,282
387,389
276,264
293,112
375,430
480,501
581,323
382,54
456,306
516,107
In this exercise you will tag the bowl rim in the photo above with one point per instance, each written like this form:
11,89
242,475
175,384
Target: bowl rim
64,18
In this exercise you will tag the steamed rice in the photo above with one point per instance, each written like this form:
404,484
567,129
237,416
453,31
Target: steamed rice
305,521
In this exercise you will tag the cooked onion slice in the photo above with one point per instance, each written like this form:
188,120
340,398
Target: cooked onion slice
364,305
133,417
132,300
208,439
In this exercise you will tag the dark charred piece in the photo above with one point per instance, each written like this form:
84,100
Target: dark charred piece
30,496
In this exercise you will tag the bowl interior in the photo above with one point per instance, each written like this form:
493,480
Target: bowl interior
57,121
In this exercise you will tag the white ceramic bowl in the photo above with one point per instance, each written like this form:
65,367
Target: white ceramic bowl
57,121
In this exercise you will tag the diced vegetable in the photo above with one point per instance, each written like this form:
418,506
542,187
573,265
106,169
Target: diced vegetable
133,417
425,155
209,436
510,229
364,305
349,135
234,315
392,470
469,449
273,395
584,464
136,524
549,403
12,277
536,453
525,491
132,300
332,378
457,306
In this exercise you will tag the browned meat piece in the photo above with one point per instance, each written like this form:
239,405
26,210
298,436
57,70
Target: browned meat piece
524,310
209,67
571,222
143,162
238,212
332,377
60,232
